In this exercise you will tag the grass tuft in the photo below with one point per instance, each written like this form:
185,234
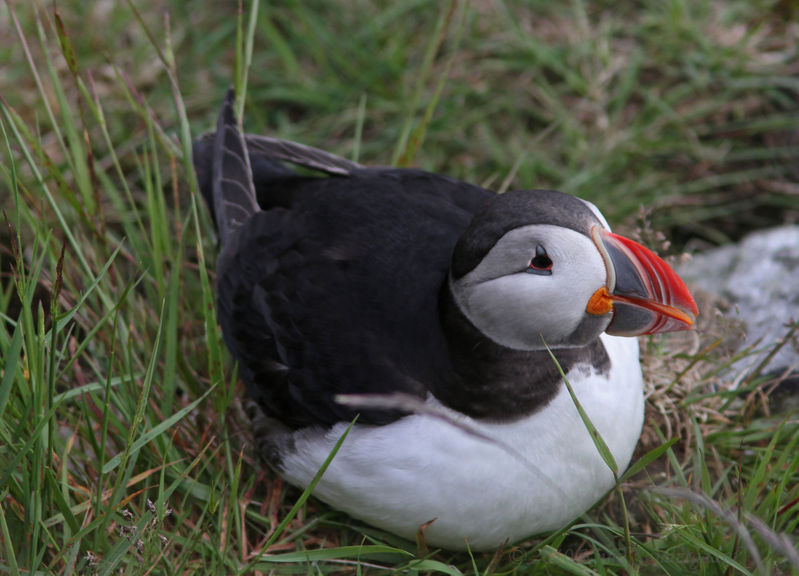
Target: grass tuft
123,442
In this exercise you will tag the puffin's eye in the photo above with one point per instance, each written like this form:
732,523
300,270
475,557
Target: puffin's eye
540,263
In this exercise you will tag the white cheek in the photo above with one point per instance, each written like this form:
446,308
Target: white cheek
516,310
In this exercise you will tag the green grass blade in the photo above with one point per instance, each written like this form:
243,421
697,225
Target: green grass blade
713,552
153,433
648,458
8,543
596,437
242,75
433,47
10,369
418,135
562,561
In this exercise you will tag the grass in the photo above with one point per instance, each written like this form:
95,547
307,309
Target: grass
123,445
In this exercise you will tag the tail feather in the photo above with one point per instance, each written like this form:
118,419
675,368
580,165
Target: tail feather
233,192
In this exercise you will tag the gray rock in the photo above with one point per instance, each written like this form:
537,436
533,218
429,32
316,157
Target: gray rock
759,279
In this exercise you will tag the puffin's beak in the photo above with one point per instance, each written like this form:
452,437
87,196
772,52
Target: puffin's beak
644,293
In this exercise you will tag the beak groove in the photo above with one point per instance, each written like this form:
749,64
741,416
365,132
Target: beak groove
648,296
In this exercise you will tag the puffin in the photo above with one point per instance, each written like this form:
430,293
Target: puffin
419,318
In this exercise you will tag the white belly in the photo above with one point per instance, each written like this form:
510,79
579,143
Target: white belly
542,471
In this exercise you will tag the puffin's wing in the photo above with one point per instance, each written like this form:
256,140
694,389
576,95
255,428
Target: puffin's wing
276,149
298,299
301,155
307,321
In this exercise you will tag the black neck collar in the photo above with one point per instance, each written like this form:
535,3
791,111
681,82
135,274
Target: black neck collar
493,382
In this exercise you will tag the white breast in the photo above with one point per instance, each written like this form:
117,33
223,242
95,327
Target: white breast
540,472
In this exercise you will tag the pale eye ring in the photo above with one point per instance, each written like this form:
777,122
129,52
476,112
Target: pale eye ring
541,263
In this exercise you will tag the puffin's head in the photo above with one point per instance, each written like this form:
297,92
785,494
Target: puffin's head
543,263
